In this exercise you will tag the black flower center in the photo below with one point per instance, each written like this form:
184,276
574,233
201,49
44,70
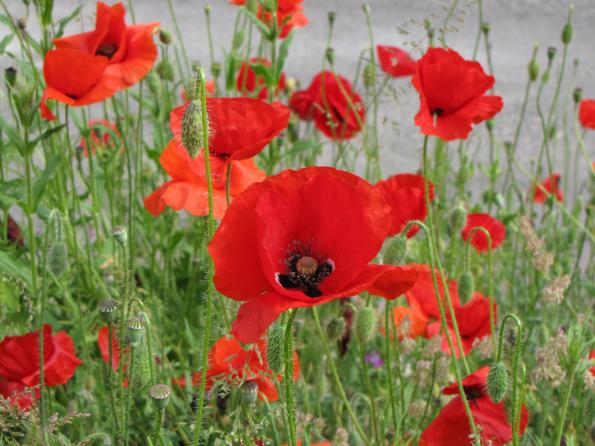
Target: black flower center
305,270
437,111
107,49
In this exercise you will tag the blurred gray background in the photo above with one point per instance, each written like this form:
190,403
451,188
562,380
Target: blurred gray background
515,26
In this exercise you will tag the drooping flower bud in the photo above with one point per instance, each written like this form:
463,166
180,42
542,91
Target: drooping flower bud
120,233
57,257
160,394
192,131
154,84
365,324
396,250
457,218
465,286
108,310
165,36
577,95
533,69
335,328
567,33
330,56
551,53
497,382
165,70
275,348
10,76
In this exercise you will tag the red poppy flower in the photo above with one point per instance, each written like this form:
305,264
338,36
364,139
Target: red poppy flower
417,319
103,342
405,193
592,356
129,49
451,426
452,94
239,128
586,113
101,136
19,363
337,110
290,15
551,185
423,294
13,232
302,238
230,362
395,62
188,187
479,241
75,78
249,82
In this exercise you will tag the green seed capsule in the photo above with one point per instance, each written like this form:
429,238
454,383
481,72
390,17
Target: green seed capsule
275,349
120,233
465,286
108,310
160,394
497,383
365,324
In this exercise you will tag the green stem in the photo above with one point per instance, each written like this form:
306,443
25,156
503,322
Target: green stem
389,369
288,380
370,391
158,423
560,429
129,394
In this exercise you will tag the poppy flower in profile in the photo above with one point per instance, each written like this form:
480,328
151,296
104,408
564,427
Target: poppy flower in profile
452,94
299,239
405,194
411,321
239,128
102,136
129,50
19,364
551,185
395,62
586,113
337,110
451,426
75,78
479,241
103,343
229,362
290,15
188,187
248,81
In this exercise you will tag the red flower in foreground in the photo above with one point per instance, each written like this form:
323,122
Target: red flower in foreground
451,426
101,136
290,14
230,362
188,187
586,113
551,185
479,240
337,110
452,94
19,364
302,238
395,62
248,81
129,49
405,194
239,128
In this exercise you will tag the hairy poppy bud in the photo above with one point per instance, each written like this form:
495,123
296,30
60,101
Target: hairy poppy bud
332,15
330,56
497,383
165,70
120,233
22,23
567,33
396,250
275,348
238,39
160,394
107,309
490,124
369,75
577,95
135,327
335,328
216,69
57,258
192,131
457,218
465,286
10,76
365,324
154,83
533,69
249,390
165,36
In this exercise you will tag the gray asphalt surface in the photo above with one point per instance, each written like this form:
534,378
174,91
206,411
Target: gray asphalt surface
515,26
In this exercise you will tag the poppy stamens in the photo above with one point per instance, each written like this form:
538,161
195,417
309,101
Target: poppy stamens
107,49
305,270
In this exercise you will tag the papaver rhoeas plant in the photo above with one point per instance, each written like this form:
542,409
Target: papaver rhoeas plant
551,185
229,362
452,94
290,15
248,82
451,426
395,62
405,193
19,364
337,110
303,238
479,240
586,113
187,189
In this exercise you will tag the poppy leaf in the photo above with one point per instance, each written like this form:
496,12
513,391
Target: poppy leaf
39,187
45,135
265,72
10,264
256,21
66,20
283,51
5,42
